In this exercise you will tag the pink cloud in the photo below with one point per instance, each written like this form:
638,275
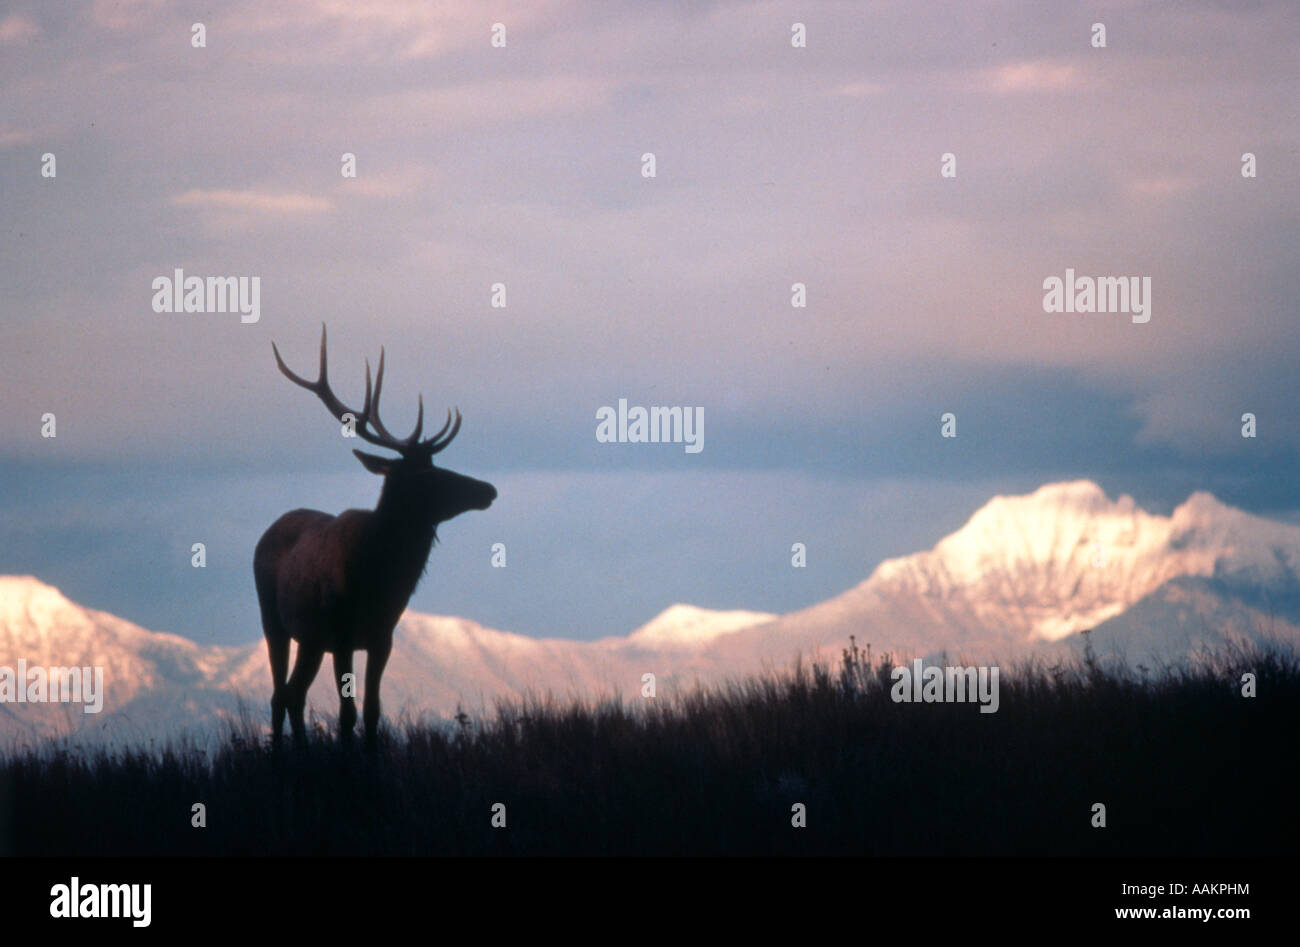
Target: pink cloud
13,136
405,29
254,201
1033,76
17,29
860,90
124,14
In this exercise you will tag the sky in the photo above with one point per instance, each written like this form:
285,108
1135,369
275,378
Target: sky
523,165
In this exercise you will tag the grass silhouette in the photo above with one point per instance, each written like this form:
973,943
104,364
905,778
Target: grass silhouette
1184,764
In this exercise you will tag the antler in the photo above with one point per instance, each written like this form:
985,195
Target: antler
369,415
437,442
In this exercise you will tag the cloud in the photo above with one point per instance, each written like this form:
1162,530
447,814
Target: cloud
860,90
1166,185
124,14
401,30
1033,76
493,102
16,29
254,201
13,136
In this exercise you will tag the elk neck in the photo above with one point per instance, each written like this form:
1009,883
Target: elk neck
401,537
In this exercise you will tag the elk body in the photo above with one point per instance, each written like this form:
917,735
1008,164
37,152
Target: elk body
338,584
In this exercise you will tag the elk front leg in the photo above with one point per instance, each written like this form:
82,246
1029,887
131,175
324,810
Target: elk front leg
376,658
346,684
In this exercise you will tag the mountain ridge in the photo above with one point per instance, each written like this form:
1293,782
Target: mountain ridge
1024,575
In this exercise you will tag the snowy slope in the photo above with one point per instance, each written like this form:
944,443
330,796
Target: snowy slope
1024,574
157,683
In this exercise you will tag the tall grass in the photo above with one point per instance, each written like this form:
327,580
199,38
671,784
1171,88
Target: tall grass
1182,761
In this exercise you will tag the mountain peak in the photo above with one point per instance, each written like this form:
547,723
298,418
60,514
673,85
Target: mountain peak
680,625
1203,507
27,598
1068,494
22,585
1066,557
1077,490
1044,526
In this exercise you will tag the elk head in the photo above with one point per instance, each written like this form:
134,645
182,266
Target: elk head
413,487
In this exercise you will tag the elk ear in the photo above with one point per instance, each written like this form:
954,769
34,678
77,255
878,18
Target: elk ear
374,463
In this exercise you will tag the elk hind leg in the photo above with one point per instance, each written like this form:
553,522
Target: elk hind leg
304,672
277,647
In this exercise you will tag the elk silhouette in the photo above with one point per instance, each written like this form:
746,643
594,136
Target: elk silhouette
340,583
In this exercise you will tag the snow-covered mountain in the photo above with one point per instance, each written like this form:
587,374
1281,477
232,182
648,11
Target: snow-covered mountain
147,676
155,684
1028,570
1025,574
